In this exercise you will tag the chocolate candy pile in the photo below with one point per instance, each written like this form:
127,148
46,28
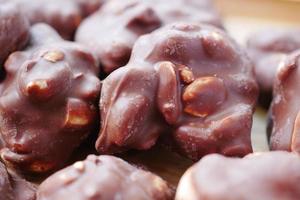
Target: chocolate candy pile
108,77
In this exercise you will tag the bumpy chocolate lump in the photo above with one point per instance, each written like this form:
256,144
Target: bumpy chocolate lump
48,102
14,29
112,31
190,83
268,176
104,178
284,115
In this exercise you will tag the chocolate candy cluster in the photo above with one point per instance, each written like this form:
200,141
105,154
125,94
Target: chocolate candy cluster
187,82
48,101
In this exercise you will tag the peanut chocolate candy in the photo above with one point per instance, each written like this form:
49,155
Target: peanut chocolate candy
48,103
187,82
268,176
14,28
111,32
63,15
267,49
104,178
284,111
13,187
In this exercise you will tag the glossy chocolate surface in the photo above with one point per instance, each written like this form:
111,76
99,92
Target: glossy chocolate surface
112,31
104,178
48,101
267,176
13,187
63,15
284,117
187,82
14,29
267,49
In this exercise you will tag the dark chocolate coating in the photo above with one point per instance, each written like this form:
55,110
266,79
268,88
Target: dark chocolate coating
112,31
13,187
284,113
14,29
48,101
265,176
104,178
64,15
267,49
188,82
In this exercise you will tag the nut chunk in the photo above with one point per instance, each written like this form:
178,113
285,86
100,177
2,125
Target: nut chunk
104,178
14,30
284,115
267,176
13,187
48,102
190,82
112,31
